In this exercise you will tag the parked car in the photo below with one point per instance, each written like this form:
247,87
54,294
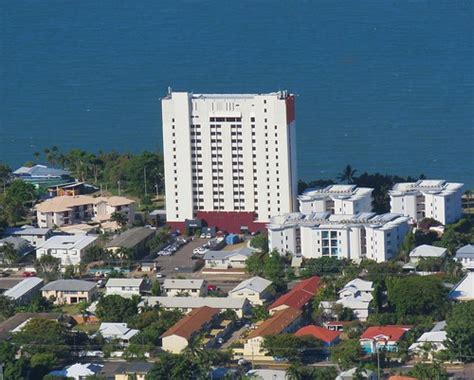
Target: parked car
203,236
28,274
160,275
208,236
211,287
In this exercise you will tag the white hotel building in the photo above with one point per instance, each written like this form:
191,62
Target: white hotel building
355,237
230,159
337,199
435,199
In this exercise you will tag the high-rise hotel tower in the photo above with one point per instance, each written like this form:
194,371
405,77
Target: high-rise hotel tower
230,159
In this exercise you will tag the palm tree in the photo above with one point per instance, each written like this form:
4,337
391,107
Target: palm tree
347,175
36,156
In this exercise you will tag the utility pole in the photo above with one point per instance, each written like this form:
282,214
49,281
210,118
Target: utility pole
118,185
144,178
378,359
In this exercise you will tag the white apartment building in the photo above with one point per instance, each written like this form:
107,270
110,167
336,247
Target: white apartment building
337,199
435,199
69,248
67,210
363,235
230,159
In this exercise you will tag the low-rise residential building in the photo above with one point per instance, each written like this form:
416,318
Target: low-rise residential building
24,291
35,236
298,297
357,373
256,289
136,239
464,289
328,337
117,332
16,323
177,338
337,199
67,210
70,291
382,338
227,259
241,306
125,287
69,248
355,295
435,199
21,246
78,371
180,287
356,237
427,251
283,321
41,174
114,370
430,342
465,256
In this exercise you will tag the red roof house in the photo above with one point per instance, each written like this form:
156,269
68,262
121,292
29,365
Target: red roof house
320,333
382,337
297,297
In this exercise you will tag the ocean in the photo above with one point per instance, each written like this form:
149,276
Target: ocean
384,86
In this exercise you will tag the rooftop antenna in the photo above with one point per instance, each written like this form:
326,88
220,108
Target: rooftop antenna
170,90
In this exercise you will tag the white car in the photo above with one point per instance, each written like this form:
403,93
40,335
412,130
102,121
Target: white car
208,236
159,275
196,250
203,236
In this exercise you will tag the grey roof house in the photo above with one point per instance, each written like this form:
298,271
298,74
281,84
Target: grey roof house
136,239
465,256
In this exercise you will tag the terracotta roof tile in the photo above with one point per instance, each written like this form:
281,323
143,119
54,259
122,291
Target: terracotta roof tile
277,323
192,322
393,332
299,295
319,333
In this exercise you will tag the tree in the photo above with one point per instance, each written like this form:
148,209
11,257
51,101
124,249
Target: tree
424,371
323,266
95,253
259,313
120,218
347,353
274,270
260,242
460,331
14,201
41,335
12,368
41,363
47,267
177,367
417,295
289,346
254,264
156,289
407,246
9,253
7,307
114,308
347,175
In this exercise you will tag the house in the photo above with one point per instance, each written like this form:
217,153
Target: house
69,248
70,291
464,289
177,338
16,323
267,374
382,338
256,289
241,306
227,259
426,198
191,287
337,325
125,287
427,251
328,337
355,295
78,371
41,174
117,332
136,239
282,321
298,297
24,291
35,236
430,342
465,256
20,245
351,374
67,210
114,370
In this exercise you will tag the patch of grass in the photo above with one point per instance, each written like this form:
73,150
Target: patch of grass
72,309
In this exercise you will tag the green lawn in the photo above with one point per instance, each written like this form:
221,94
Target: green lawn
71,309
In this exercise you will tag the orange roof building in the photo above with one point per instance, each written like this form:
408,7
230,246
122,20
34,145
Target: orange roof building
177,337
382,338
320,333
297,297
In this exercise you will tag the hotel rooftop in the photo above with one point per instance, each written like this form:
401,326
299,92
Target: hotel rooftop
346,192
433,186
